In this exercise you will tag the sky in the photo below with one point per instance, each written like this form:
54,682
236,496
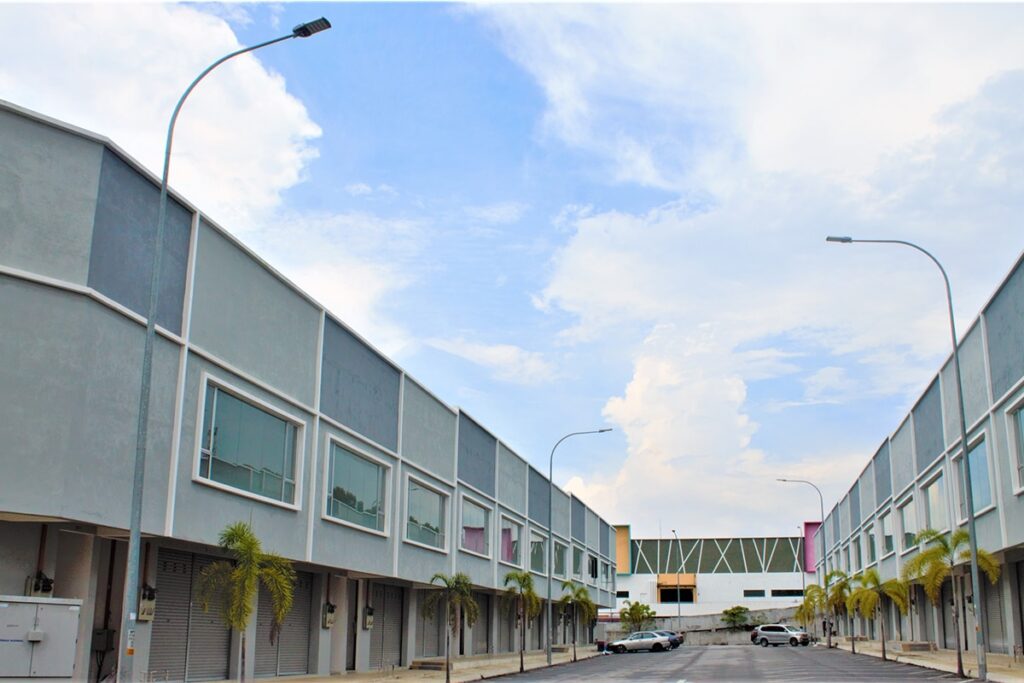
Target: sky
567,217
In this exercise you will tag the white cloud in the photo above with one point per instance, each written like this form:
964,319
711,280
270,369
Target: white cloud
358,189
241,139
502,213
507,362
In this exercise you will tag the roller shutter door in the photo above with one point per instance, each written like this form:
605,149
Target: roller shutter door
289,653
386,635
994,616
482,627
209,641
948,633
430,631
353,624
506,631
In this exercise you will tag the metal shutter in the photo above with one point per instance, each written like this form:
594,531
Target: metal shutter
209,640
948,633
169,640
352,587
431,631
393,627
289,654
376,601
994,616
482,627
264,653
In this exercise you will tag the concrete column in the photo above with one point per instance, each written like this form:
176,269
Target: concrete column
492,638
411,610
77,572
339,634
319,637
362,635
1011,601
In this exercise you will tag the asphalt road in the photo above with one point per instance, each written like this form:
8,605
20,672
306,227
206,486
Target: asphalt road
691,664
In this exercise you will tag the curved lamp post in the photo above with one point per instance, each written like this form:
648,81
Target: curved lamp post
979,607
824,551
131,583
679,601
551,526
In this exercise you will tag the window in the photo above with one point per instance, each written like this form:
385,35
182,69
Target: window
605,575
672,596
887,539
935,506
356,492
857,559
869,541
981,488
753,593
592,562
425,521
537,546
476,527
246,447
787,593
560,550
908,524
622,594
1018,419
511,538
577,563
846,556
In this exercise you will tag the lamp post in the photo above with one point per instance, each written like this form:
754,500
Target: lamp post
821,532
131,583
551,526
979,611
679,605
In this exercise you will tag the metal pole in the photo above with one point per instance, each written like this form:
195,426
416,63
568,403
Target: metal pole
679,606
125,667
979,608
821,532
551,525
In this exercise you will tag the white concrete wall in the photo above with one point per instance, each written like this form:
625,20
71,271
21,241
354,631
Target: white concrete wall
715,592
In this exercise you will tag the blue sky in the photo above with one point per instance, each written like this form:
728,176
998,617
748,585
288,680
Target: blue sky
563,217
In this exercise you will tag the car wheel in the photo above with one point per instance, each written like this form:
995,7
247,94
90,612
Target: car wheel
657,647
620,649
794,642
764,642
806,643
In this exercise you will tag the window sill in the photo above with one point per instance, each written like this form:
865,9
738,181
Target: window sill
983,511
887,555
245,494
353,525
434,548
511,564
475,554
907,551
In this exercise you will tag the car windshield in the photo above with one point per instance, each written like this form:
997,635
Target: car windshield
795,629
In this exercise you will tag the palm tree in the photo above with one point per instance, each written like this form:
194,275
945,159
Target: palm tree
933,565
576,599
812,606
522,599
835,603
236,582
866,598
456,595
637,615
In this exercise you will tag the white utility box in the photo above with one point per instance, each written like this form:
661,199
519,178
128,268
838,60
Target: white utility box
38,636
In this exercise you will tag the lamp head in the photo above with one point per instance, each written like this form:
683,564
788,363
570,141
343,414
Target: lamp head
842,240
311,27
603,430
782,480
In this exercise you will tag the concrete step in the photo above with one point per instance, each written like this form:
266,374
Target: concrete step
427,665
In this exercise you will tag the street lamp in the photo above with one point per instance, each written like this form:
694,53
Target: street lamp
979,607
551,526
824,552
679,602
131,582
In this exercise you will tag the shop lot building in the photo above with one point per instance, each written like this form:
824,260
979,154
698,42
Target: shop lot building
914,481
266,409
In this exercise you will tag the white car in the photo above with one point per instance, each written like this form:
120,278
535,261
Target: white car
641,640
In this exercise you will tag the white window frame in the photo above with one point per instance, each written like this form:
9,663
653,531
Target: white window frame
583,558
300,442
364,453
592,580
909,500
409,478
567,547
1013,414
881,533
522,554
934,476
871,543
529,561
959,463
488,532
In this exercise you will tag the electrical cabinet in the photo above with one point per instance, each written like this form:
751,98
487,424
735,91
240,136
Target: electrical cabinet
38,636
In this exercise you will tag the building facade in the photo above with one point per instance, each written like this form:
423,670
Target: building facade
266,409
914,481
700,576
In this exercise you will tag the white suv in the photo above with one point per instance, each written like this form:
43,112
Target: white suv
779,634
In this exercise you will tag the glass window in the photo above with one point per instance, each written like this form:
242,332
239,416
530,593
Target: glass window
592,561
869,540
622,594
1018,418
476,527
356,486
857,560
511,538
246,447
560,550
674,595
908,524
981,488
537,547
753,592
887,539
577,563
846,556
935,506
605,575
426,515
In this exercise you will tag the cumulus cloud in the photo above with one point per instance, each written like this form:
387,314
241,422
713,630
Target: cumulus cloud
502,213
507,362
64,64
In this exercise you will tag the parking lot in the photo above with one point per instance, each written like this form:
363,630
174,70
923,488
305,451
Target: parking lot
735,663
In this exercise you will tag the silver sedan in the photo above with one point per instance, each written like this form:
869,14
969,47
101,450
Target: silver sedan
641,640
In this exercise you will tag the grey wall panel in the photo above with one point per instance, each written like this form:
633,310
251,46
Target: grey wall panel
975,382
428,431
867,492
560,506
121,259
829,530
901,453
245,315
612,550
605,544
511,479
928,437
1004,319
593,530
854,503
358,387
844,517
479,570
477,455
68,408
201,511
49,180
418,564
883,474
579,519
539,496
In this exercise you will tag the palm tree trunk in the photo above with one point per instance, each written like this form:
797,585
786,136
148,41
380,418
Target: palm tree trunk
447,642
522,634
575,618
852,621
241,674
828,626
956,627
881,622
